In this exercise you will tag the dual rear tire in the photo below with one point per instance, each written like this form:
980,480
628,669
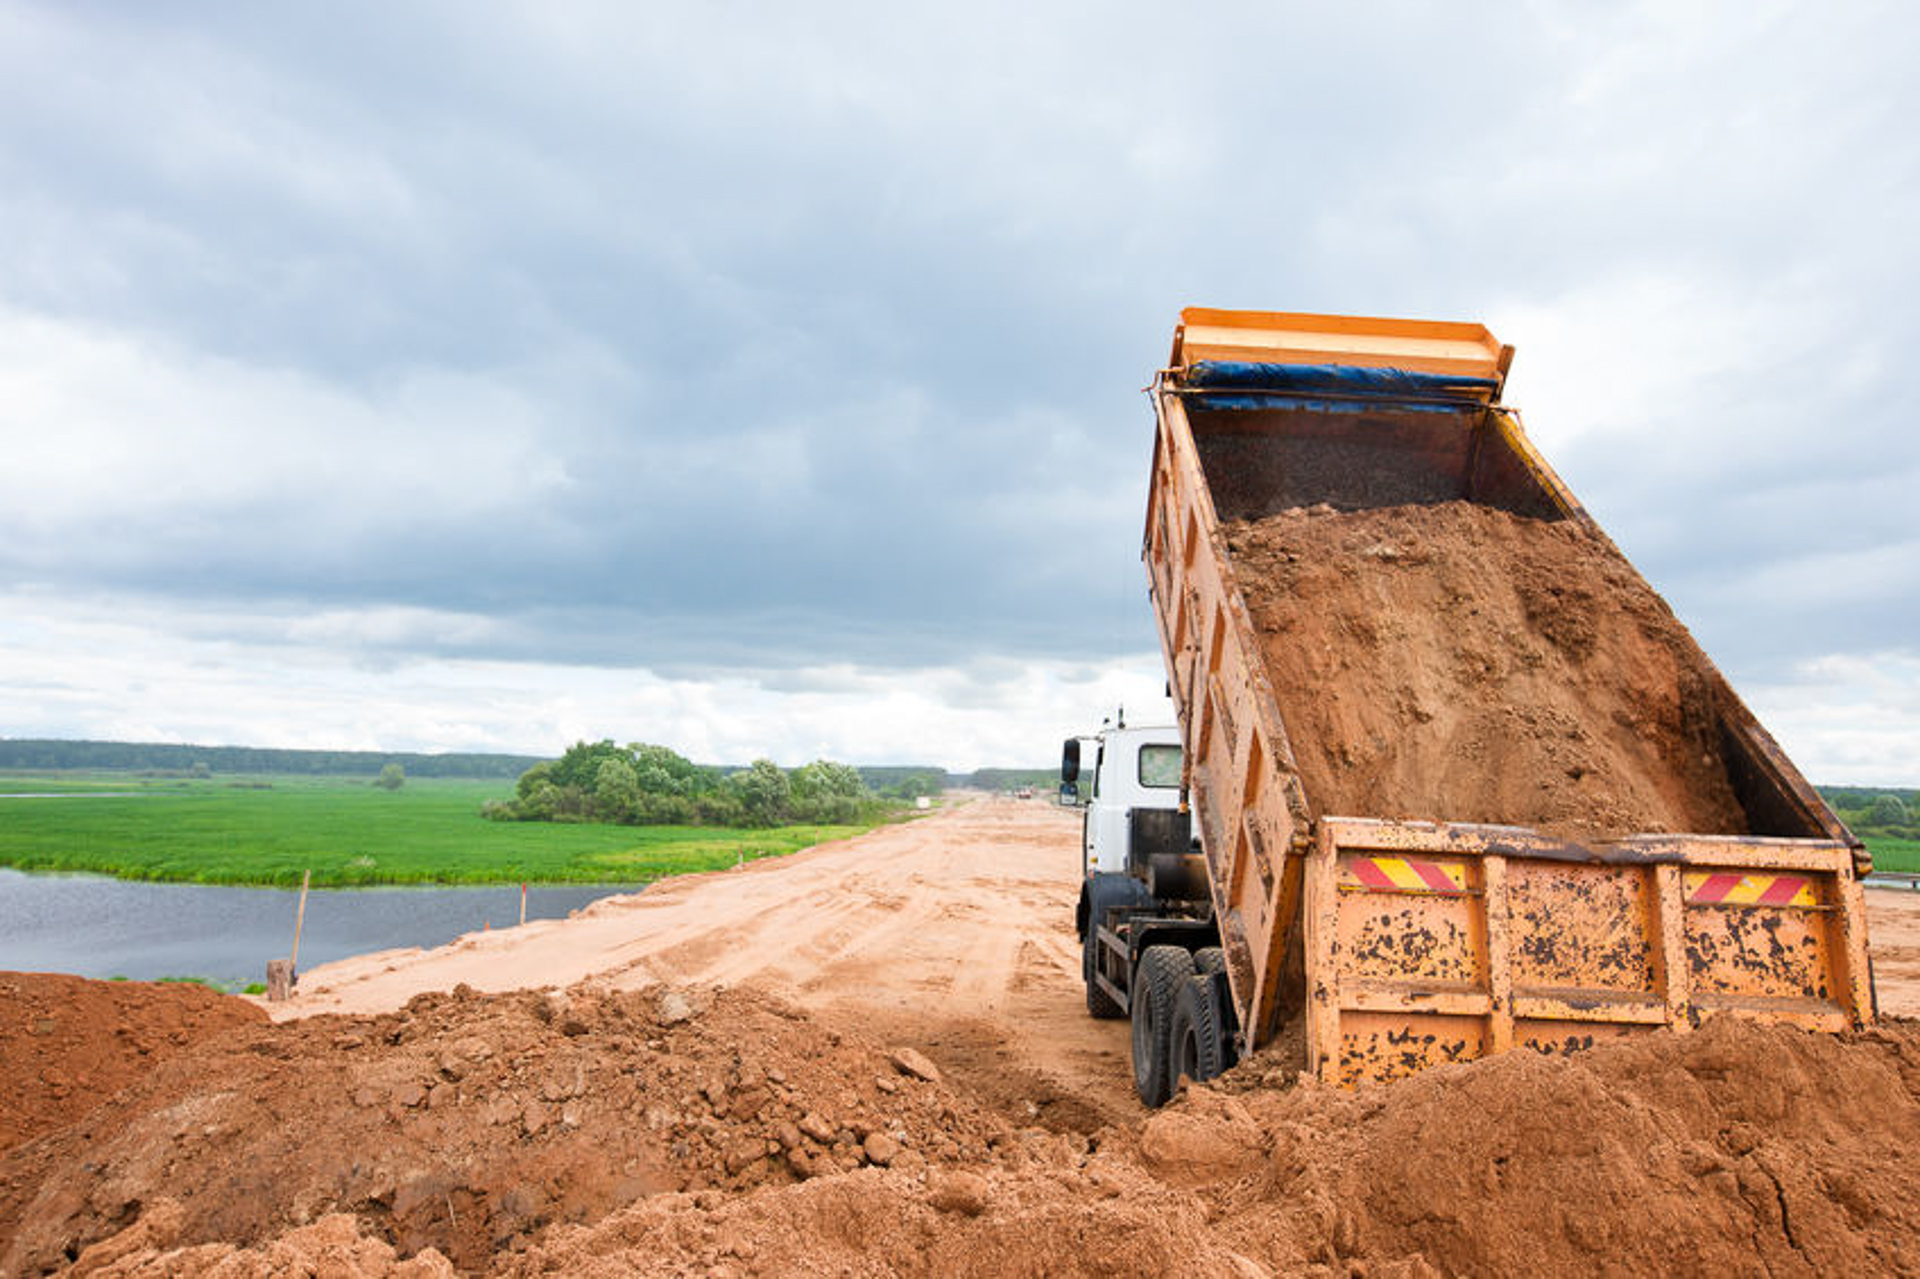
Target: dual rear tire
1178,1024
1157,982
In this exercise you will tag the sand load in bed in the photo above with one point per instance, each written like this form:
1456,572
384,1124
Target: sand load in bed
1458,662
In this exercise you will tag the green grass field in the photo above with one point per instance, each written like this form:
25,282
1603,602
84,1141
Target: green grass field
1890,852
238,831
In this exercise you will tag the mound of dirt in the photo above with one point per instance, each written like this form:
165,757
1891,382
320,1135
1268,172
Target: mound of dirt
1458,663
675,1131
67,1044
466,1123
1739,1149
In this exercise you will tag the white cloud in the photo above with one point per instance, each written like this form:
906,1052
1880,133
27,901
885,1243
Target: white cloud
1849,718
102,426
119,669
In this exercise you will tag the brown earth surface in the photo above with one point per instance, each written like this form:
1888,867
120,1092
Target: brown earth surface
1893,924
873,1058
1458,663
67,1044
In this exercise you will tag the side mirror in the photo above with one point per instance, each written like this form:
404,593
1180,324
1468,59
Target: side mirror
1069,795
1070,761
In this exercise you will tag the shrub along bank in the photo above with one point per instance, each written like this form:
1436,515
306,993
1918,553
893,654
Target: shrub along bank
645,785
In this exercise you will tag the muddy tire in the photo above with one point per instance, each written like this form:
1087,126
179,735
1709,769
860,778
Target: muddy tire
1210,959
1197,1043
1157,981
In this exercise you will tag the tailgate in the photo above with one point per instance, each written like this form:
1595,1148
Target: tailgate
1441,347
1433,943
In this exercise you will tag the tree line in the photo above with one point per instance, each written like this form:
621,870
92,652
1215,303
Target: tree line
176,759
172,759
1875,810
641,784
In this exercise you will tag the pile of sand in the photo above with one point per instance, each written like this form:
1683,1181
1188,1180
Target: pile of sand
1457,663
1738,1149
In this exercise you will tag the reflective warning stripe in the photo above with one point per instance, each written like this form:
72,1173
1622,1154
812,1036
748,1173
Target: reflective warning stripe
1405,874
1728,889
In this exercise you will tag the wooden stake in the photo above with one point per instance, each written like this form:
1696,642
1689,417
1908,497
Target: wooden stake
300,918
523,903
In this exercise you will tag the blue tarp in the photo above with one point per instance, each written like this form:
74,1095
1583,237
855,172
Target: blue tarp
1259,384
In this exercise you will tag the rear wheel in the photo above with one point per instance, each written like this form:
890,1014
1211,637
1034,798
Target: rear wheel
1197,1047
1156,985
1210,959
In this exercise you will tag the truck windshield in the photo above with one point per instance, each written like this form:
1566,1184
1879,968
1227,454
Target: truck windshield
1160,766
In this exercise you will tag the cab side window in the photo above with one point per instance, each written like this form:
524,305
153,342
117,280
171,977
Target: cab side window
1160,767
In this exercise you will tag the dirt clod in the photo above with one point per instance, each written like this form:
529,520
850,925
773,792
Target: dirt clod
909,1062
961,1192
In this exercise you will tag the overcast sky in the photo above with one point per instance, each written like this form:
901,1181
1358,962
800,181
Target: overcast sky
765,379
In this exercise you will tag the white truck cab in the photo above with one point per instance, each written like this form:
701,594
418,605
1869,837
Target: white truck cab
1130,769
1144,884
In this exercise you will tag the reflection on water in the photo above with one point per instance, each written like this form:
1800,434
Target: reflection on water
101,927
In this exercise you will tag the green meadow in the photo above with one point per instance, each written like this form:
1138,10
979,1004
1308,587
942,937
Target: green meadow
1892,853
268,830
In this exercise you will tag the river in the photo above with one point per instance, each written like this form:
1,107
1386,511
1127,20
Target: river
102,927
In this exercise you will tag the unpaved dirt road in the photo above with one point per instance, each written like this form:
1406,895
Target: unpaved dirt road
953,934
1893,929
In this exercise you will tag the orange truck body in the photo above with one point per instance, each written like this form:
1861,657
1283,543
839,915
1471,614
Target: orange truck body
1419,943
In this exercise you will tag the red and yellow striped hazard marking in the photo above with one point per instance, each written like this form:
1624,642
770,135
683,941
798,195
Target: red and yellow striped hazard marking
1726,888
1404,874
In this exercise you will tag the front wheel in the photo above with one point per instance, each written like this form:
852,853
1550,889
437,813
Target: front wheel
1156,984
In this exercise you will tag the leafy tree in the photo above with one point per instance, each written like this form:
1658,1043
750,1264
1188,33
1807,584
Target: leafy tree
392,777
541,803
1887,810
663,771
764,793
825,791
581,764
616,795
719,808
539,775
824,778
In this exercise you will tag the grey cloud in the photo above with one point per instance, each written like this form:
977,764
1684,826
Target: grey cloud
832,355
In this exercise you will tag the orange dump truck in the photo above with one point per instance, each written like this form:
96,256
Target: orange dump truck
1329,890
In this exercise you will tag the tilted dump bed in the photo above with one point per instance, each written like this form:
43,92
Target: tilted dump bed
1419,938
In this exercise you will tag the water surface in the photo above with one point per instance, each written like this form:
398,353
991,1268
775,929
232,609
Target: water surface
97,926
